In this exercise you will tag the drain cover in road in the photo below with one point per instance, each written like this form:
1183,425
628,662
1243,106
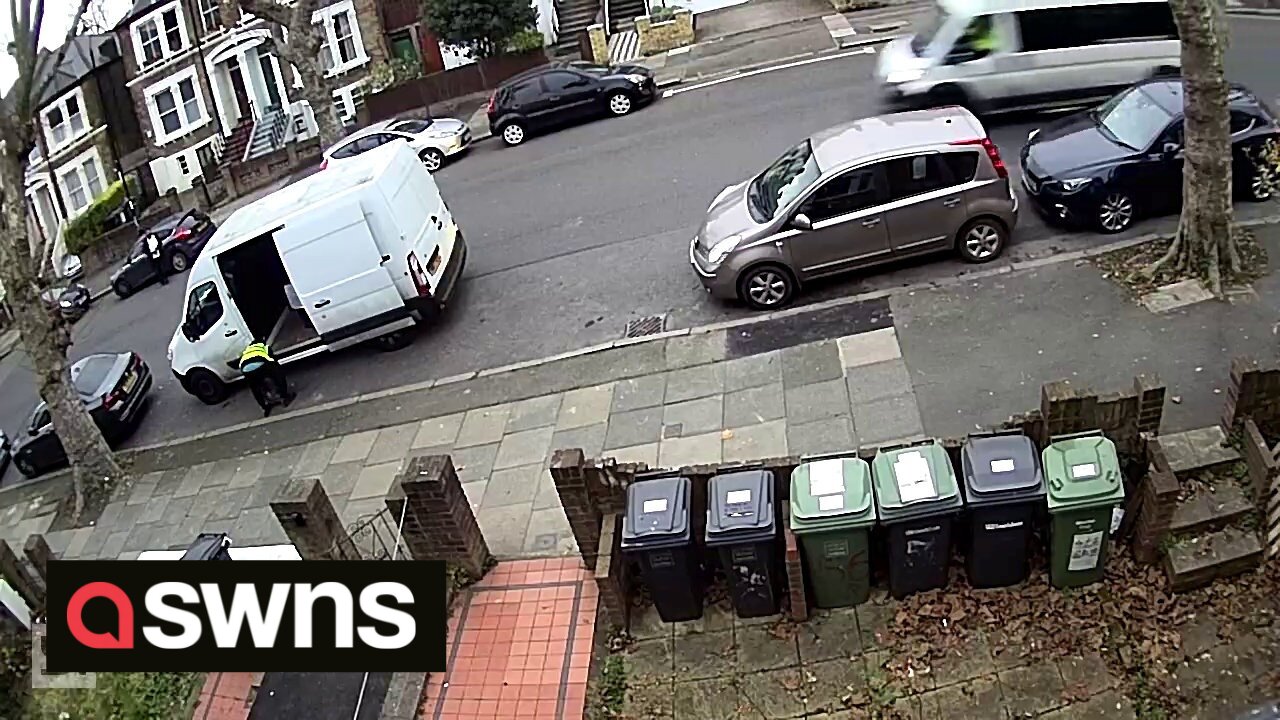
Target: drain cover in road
648,325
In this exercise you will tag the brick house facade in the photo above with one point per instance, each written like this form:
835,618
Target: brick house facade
196,76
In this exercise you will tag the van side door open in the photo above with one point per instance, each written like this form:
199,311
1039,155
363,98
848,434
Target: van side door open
338,272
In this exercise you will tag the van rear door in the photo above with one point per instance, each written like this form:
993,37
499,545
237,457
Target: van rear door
338,272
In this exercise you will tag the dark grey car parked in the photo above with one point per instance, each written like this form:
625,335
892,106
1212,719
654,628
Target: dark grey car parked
182,236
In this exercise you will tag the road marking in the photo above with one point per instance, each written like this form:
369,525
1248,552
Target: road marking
761,71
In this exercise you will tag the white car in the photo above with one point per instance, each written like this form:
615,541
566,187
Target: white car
432,139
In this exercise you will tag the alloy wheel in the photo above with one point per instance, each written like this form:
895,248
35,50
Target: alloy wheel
433,160
1260,186
513,134
619,104
1115,213
982,241
179,262
767,287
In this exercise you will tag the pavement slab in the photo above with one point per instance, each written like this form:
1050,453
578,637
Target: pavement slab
833,434
483,426
693,450
704,655
978,699
1033,689
829,635
753,371
764,647
832,681
816,401
585,407
755,442
774,694
639,393
635,427
438,431
538,412
512,486
695,382
650,661
708,699
524,448
692,417
754,405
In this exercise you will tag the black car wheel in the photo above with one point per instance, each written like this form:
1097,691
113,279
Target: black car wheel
205,386
982,240
766,287
25,467
513,133
432,158
393,341
122,288
620,103
1115,213
179,262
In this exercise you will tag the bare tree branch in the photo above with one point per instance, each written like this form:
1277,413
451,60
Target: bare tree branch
268,10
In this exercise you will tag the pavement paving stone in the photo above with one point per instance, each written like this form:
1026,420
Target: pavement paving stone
832,680
829,635
474,463
175,510
1109,705
549,534
758,404
761,648
698,349
139,493
708,700
646,624
111,547
201,508
193,479
869,348
868,383
250,468
684,451
356,512
653,701
524,448
78,542
650,661
978,699
811,363
141,537
354,447
634,427
316,456
221,472
339,480
512,486
280,462
110,517
873,622
694,382
1006,652
647,454
533,413
821,436
169,481
475,494
753,371
589,439
716,617
505,528
546,497
1086,672
229,503
154,510
375,481
483,426
255,525
392,444
816,401
1033,689
585,406
756,442
637,393
692,417
890,419
705,655
971,659
1253,657
774,694
438,431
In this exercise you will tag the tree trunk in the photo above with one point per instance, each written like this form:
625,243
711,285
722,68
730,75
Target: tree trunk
316,91
1204,245
45,337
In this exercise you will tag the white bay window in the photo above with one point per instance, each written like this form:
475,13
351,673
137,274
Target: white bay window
176,105
82,180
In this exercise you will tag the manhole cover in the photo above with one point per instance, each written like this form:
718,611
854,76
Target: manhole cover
648,325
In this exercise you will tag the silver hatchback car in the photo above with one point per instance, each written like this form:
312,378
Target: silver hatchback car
859,194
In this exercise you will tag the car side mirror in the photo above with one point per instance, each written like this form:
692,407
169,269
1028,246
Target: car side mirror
1171,148
801,222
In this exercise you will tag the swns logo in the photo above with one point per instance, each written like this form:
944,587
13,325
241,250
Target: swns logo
250,616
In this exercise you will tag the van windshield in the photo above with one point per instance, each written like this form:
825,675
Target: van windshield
926,28
782,182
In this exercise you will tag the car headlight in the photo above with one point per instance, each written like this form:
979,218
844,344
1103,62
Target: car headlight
904,76
721,249
64,303
636,79
1071,185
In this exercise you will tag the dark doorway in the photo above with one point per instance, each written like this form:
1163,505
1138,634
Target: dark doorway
269,77
238,86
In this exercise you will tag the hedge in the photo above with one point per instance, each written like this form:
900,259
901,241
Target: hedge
87,227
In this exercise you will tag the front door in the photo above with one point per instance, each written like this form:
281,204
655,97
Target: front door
569,95
924,209
239,88
846,229
338,272
269,78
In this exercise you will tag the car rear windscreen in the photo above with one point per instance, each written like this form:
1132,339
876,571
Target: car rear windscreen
93,372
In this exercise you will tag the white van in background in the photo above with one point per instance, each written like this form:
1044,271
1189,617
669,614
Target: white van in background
330,261
1002,55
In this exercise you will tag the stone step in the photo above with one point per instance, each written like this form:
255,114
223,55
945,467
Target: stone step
1194,563
1198,450
1209,511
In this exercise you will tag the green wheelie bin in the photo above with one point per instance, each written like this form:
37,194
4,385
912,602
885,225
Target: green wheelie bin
832,512
1085,489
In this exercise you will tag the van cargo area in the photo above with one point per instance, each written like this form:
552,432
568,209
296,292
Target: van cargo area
259,284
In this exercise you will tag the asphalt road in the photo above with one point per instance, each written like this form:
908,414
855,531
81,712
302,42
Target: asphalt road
575,233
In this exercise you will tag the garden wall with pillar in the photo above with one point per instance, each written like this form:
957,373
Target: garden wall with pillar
661,36
439,523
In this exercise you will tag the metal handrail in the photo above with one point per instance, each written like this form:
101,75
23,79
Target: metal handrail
604,5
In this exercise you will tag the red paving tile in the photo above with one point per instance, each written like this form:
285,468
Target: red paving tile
227,696
519,645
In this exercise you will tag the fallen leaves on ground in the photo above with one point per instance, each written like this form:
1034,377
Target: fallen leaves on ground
1127,266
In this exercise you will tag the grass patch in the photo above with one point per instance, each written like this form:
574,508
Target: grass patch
611,688
121,696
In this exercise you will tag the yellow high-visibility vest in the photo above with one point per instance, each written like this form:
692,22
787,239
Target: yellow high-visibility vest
256,351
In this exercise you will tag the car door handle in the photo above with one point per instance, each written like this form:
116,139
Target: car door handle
322,303
871,223
553,98
951,202
229,333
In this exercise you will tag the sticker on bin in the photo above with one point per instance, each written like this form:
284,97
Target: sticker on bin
653,506
1117,517
826,477
1002,466
738,502
1083,472
915,482
1086,549
831,502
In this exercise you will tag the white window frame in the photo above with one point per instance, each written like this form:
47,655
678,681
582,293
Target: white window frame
325,16
61,104
204,12
345,96
75,167
159,135
157,16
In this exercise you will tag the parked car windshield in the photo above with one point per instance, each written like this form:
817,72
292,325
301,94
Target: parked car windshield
927,28
782,182
1133,118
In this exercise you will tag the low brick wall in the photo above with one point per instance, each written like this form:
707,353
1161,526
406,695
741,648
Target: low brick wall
111,247
666,35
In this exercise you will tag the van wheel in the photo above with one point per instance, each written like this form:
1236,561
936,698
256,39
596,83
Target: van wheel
178,261
205,386
981,240
393,341
122,289
766,287
513,134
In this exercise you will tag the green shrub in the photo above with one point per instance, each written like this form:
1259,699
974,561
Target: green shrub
121,696
662,14
389,74
84,229
526,40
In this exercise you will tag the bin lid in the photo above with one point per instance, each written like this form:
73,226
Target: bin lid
657,513
740,507
915,480
1082,471
829,493
1000,468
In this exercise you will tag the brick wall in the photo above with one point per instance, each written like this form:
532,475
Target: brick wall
612,573
799,602
1123,416
1254,393
306,513
1157,499
667,35
439,523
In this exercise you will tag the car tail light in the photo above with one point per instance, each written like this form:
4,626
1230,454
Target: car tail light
113,399
181,233
993,153
420,280
493,102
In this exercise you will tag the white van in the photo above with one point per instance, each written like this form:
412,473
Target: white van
336,259
1002,55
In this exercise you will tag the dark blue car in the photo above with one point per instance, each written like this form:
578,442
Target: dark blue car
182,236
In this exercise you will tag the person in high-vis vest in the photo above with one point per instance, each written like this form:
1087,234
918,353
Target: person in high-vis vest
265,377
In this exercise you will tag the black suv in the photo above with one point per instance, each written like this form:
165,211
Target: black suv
563,93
